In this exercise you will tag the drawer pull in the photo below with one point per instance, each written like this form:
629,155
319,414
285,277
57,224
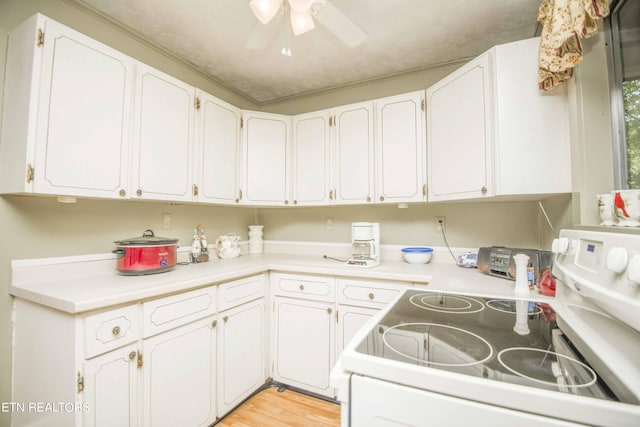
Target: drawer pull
371,296
115,331
302,287
225,318
329,311
132,355
214,323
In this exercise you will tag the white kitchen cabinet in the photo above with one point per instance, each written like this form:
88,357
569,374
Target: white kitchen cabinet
179,371
312,160
150,362
459,131
163,137
111,388
241,341
353,174
266,159
217,152
490,132
304,344
304,331
241,368
400,148
68,103
358,300
350,320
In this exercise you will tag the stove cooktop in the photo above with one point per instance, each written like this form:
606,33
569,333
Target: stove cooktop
507,340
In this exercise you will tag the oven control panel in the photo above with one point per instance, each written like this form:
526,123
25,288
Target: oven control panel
604,267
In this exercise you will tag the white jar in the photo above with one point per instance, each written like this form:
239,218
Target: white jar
255,239
522,283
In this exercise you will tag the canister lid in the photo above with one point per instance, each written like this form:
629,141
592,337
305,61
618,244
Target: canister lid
147,238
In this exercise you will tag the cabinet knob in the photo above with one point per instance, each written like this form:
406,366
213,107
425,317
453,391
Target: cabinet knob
301,287
115,331
371,295
286,202
225,318
214,323
132,355
122,193
329,310
484,189
138,192
382,198
295,202
368,198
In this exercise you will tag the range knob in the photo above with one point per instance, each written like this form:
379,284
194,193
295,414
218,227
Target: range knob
617,259
560,245
633,272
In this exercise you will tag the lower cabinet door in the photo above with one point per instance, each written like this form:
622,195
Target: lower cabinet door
179,387
241,362
111,388
350,320
304,344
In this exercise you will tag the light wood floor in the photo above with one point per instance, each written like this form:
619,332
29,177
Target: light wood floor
270,408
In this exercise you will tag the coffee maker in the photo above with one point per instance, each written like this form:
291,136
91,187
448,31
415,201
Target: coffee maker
365,244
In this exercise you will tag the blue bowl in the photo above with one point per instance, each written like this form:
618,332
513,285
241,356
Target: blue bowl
417,254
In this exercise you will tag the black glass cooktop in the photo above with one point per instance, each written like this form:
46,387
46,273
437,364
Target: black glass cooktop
499,339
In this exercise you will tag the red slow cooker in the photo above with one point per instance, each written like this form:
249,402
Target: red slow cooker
146,254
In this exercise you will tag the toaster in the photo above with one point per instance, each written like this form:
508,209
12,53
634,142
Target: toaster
498,261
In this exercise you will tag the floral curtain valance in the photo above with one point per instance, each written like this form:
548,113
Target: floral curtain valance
564,23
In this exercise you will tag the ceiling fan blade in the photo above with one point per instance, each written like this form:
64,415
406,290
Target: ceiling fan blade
344,28
262,35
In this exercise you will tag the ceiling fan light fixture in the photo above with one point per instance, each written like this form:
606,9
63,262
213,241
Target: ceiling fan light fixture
265,10
301,22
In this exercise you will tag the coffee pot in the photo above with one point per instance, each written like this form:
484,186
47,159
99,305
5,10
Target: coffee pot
365,244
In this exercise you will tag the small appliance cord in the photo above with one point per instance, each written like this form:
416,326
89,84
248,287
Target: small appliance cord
444,235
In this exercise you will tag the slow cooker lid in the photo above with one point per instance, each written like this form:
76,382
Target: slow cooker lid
147,238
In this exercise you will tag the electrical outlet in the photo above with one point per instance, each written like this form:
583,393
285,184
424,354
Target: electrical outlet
441,223
165,221
329,223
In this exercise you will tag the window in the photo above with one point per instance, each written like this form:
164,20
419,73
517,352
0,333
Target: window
624,29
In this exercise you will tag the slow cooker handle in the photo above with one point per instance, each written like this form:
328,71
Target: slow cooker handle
148,233
119,252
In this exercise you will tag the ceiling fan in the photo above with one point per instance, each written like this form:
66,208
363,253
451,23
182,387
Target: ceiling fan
302,15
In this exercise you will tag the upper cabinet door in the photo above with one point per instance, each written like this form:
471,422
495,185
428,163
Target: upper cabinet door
83,118
265,158
217,154
311,159
163,137
354,154
459,133
400,148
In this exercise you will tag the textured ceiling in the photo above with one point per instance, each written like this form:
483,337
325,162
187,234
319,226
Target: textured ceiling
403,35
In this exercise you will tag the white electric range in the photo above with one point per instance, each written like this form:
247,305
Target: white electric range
434,358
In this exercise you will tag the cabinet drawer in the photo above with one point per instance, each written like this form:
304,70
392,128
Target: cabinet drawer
368,293
111,329
237,292
167,313
300,286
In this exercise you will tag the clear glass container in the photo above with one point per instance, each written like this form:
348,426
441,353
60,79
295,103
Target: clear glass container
362,249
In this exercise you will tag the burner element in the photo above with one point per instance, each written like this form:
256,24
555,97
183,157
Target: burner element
446,303
547,367
509,306
444,345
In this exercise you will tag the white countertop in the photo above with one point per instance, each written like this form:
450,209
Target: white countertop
80,284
